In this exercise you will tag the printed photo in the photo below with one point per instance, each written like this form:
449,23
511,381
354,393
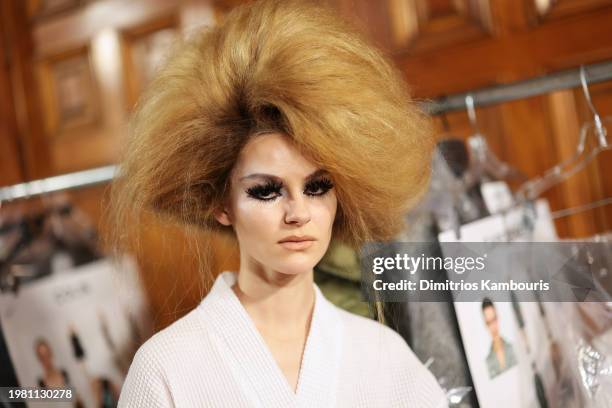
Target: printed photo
77,329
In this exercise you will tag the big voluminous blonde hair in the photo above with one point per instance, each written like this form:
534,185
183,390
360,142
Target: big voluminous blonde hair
276,65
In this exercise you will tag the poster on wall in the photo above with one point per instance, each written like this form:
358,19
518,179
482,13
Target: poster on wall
508,344
79,328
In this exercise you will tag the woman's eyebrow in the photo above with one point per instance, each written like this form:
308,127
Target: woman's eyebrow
279,179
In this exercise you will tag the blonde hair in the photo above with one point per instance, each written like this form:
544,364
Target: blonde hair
286,66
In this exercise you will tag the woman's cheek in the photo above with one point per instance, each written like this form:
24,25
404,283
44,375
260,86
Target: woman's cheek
261,218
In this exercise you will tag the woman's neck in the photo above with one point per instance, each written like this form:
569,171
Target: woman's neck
281,305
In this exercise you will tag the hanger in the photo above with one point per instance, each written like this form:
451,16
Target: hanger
450,162
483,160
557,174
566,212
470,163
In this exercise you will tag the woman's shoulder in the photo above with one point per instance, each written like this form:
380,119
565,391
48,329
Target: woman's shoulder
175,339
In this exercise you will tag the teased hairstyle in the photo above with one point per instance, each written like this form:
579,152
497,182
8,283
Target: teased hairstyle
286,66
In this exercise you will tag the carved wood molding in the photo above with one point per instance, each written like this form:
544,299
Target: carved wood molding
500,60
426,24
143,47
69,91
541,11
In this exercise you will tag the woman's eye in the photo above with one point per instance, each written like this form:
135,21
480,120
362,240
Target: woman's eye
318,187
272,190
265,192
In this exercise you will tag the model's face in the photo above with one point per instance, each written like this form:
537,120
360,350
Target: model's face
490,317
277,198
45,355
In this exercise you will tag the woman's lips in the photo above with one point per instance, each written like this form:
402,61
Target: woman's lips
297,244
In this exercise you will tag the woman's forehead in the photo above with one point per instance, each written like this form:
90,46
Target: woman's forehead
274,154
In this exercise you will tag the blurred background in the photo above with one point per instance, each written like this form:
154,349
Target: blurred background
71,72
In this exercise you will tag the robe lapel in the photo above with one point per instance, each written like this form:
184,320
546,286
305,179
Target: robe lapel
250,358
318,379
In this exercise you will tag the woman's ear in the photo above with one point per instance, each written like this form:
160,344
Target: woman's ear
223,217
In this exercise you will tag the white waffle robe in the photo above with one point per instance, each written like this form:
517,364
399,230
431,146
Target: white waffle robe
215,357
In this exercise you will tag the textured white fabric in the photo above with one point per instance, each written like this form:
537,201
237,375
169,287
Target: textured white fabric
215,357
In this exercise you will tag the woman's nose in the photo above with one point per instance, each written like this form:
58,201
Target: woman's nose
297,211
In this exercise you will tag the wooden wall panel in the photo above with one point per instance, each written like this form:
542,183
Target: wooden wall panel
11,165
541,11
143,49
38,10
25,97
71,105
521,56
419,25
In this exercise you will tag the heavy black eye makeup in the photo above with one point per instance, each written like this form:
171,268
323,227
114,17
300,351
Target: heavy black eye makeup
318,187
267,191
271,189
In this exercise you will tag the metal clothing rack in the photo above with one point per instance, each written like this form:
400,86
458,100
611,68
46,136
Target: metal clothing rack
64,182
595,73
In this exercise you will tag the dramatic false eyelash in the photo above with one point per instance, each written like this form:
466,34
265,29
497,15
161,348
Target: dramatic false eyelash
324,183
262,191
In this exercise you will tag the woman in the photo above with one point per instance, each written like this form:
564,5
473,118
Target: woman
283,128
53,377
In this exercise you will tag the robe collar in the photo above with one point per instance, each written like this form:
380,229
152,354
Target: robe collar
253,362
